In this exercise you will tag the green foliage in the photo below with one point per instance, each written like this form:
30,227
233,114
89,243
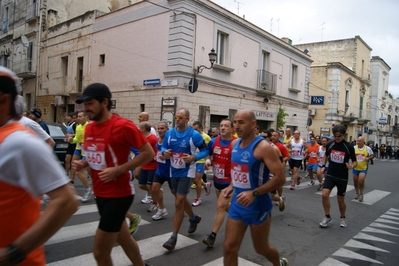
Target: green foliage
281,115
390,95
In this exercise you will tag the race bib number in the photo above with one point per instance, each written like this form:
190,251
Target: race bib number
217,150
360,157
176,160
295,152
95,155
218,171
159,153
337,156
313,154
240,176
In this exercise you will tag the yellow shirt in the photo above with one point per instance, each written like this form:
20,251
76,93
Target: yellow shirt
206,139
80,136
361,155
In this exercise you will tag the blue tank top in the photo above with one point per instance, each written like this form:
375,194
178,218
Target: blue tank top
248,173
163,169
69,128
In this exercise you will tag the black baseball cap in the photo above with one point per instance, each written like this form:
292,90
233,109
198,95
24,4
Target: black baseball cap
95,91
36,112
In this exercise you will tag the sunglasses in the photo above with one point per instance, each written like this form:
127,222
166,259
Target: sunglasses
179,117
337,136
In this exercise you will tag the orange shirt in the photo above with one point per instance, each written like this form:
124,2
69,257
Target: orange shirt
312,152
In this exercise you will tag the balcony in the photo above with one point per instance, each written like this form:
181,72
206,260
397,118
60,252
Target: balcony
266,83
23,69
395,130
364,117
31,13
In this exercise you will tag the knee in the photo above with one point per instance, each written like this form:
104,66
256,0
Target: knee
230,249
143,187
98,255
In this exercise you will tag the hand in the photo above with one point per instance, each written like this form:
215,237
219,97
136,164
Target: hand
188,158
167,154
349,166
78,165
108,174
227,192
245,198
207,164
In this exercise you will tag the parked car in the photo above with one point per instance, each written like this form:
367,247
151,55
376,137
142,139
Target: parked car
57,132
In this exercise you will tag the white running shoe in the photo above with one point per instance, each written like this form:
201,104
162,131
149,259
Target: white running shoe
147,199
86,196
208,188
325,222
160,214
343,223
196,202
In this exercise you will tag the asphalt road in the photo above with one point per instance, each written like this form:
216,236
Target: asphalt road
371,237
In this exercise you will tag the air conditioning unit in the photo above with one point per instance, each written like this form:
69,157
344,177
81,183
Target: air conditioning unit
58,101
312,111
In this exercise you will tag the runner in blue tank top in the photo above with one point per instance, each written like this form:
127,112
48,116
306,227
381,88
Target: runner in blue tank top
251,205
180,145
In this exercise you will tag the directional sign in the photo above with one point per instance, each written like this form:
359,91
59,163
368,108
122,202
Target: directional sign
193,85
317,100
151,82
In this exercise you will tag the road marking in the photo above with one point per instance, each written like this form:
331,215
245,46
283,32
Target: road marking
389,217
374,224
149,248
332,262
373,196
83,209
378,231
356,244
334,191
73,232
392,213
219,262
394,210
379,220
371,238
342,252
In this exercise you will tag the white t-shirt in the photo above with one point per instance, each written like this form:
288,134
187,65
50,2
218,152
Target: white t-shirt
27,163
29,123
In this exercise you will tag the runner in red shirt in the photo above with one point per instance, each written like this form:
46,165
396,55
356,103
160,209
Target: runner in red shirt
108,139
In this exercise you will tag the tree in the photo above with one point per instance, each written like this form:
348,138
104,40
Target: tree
281,115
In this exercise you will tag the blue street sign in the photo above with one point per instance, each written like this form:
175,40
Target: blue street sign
151,82
317,100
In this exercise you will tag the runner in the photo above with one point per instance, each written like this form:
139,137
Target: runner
180,145
363,155
28,169
220,152
107,143
251,205
338,154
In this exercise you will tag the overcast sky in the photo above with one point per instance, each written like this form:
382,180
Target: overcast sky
375,21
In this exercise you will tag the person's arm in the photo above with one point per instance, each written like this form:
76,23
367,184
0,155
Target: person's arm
50,142
370,154
62,205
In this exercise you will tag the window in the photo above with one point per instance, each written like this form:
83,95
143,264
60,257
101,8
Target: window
294,76
4,27
79,77
64,66
28,100
361,107
3,60
142,107
102,59
222,48
265,60
29,56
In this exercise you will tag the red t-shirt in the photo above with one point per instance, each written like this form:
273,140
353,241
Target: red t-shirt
108,145
283,149
153,164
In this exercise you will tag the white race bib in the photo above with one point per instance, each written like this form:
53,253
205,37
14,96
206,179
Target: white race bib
218,171
337,156
159,153
176,160
95,155
240,176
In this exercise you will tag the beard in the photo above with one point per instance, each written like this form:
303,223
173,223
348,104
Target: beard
96,116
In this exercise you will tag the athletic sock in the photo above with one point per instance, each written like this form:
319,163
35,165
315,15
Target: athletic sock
328,216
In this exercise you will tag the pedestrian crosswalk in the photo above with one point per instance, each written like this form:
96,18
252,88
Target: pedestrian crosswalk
371,244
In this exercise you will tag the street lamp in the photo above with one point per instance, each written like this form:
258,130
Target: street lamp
212,58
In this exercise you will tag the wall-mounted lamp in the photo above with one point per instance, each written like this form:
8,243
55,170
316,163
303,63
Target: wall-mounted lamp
212,58
266,100
294,115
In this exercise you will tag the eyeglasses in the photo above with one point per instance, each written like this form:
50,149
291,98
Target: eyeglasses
179,117
337,136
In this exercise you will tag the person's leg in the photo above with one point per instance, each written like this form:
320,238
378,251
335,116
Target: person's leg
68,158
356,184
157,194
129,245
295,176
198,182
103,244
361,181
260,233
232,242
222,206
72,173
341,205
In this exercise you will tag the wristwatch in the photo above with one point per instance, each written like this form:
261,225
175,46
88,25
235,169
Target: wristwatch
255,193
14,254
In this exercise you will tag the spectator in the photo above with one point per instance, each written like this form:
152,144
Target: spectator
382,151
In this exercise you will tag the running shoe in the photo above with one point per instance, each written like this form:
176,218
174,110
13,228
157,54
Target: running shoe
360,198
311,183
325,222
196,202
45,199
86,196
210,240
134,224
320,186
170,244
281,204
208,188
292,187
193,186
343,223
153,208
298,181
284,262
147,199
357,196
160,214
193,224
